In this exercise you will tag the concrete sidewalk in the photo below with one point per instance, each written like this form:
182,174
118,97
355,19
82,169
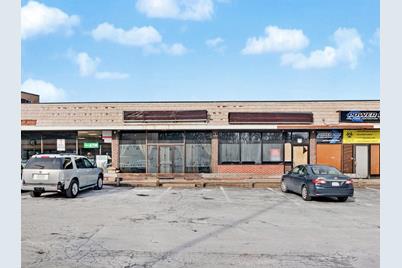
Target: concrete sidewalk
225,180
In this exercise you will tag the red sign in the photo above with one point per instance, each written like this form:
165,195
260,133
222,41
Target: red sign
28,122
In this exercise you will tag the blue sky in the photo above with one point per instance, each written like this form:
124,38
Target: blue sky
148,50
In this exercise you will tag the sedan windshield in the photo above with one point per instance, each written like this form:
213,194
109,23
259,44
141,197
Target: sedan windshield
44,163
325,170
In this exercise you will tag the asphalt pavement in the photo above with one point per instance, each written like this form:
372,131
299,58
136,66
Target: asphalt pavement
210,227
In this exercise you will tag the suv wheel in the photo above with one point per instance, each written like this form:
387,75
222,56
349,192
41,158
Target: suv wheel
35,193
73,189
305,194
99,183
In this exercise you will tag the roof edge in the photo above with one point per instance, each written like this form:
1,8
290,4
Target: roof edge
220,101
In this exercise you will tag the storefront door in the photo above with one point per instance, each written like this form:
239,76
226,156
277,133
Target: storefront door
361,161
171,159
300,155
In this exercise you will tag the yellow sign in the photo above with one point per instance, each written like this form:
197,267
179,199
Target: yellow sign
361,136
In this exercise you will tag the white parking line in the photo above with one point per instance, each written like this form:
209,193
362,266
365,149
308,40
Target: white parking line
224,193
377,190
285,196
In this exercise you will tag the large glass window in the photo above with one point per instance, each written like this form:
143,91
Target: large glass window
198,152
229,147
165,152
257,147
133,152
250,144
272,147
50,142
300,137
30,145
165,137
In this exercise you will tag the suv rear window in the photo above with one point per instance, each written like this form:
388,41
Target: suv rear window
44,163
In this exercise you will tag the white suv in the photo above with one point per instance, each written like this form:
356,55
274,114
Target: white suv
65,173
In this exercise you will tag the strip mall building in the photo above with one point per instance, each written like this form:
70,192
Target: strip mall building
261,138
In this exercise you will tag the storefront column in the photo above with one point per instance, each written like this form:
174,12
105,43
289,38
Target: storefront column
115,149
313,147
214,152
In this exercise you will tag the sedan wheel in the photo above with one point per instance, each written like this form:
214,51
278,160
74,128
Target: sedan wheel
305,194
99,184
284,188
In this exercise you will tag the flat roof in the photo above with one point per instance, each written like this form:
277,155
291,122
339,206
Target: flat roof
29,93
220,101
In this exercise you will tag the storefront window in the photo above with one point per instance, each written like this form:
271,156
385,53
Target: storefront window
300,137
165,137
198,152
272,152
67,142
229,147
152,159
133,152
30,145
272,147
250,147
91,144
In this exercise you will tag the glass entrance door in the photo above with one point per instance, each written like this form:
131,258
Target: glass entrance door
171,159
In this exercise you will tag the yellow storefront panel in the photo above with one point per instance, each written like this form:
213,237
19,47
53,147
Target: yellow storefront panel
361,136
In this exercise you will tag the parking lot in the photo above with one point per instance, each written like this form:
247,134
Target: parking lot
210,227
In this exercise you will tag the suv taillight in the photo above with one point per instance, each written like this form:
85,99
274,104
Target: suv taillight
319,181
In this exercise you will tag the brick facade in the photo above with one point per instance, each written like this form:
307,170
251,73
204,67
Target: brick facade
313,148
115,149
214,152
252,169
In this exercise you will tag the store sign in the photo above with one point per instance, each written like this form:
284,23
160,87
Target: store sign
61,145
28,122
361,136
107,136
91,145
333,136
360,116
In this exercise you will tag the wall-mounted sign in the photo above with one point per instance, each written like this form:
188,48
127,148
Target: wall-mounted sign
360,116
28,122
107,136
270,118
165,116
361,136
61,145
91,145
331,136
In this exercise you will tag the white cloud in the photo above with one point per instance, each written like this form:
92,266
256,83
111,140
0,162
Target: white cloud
39,19
276,40
88,67
317,59
375,38
176,49
348,47
177,9
214,42
47,91
111,75
133,37
87,64
146,37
